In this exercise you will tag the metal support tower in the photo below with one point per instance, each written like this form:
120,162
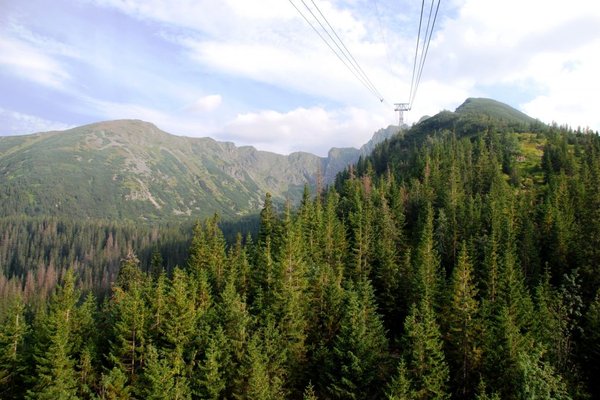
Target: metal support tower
401,107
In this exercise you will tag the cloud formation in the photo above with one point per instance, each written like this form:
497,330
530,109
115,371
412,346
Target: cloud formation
206,103
254,72
16,123
314,129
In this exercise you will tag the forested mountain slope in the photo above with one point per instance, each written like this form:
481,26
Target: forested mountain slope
459,262
132,170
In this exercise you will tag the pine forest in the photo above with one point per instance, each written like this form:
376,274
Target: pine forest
460,260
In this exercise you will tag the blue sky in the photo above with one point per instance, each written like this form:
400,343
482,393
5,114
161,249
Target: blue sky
253,71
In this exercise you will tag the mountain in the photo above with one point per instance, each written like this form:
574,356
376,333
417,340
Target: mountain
494,109
339,158
130,169
474,116
477,119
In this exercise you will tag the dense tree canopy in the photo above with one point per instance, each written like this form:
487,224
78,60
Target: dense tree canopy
454,264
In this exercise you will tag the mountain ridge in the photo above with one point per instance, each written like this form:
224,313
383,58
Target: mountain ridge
131,169
103,168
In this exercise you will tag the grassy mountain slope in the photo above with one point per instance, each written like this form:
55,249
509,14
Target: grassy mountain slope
518,136
473,117
493,109
130,169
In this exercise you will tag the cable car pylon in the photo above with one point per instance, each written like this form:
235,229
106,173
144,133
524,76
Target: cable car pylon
401,107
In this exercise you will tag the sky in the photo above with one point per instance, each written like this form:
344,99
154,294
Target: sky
253,72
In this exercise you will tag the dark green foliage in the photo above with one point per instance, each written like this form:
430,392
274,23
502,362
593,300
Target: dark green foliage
590,348
401,386
159,378
113,386
427,367
458,260
464,327
262,372
358,354
13,331
55,376
216,367
132,170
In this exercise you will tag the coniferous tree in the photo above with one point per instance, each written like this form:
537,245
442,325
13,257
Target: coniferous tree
13,331
265,276
197,251
156,264
158,377
554,325
309,393
216,367
326,304
428,275
263,372
239,265
55,376
483,395
114,386
180,324
291,308
401,386
464,329
216,257
85,346
333,236
359,349
360,224
233,316
386,264
591,345
157,300
427,367
129,322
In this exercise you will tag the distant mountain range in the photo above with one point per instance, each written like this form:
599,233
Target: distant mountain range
130,169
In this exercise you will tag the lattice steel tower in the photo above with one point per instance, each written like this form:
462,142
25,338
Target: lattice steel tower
401,107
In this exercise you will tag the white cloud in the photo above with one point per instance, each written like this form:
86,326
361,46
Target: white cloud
29,63
16,123
206,104
549,50
182,123
268,42
41,43
313,130
572,98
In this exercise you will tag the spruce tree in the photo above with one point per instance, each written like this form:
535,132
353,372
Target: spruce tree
591,345
233,316
157,300
179,329
114,385
427,367
428,275
401,387
55,376
360,348
13,331
263,373
290,298
386,269
158,377
216,368
464,329
309,393
129,313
